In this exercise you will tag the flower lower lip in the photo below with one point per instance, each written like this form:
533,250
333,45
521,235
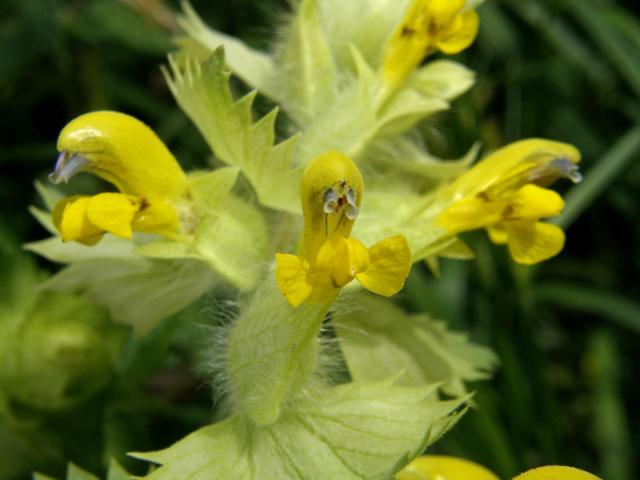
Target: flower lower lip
67,165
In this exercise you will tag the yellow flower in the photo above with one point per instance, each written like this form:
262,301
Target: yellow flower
504,194
125,152
437,467
331,194
556,472
427,26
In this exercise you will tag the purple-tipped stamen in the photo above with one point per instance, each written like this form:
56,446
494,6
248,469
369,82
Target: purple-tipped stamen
67,166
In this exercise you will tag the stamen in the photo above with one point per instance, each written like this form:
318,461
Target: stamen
351,198
330,200
560,167
67,166
352,209
352,212
567,168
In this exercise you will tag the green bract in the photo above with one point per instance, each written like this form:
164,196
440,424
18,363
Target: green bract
379,339
351,431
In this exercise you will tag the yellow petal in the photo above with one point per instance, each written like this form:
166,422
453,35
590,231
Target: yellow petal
389,264
441,12
158,217
291,277
440,467
424,24
124,151
334,259
470,213
534,152
461,34
71,220
113,212
556,472
533,242
498,234
533,202
358,256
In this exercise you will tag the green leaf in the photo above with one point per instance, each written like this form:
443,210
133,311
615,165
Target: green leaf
379,340
308,75
116,472
406,110
44,218
359,117
56,250
364,24
271,352
137,291
255,68
202,91
405,154
49,195
209,189
352,431
234,241
442,79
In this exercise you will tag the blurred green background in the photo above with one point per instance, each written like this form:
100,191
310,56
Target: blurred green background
567,332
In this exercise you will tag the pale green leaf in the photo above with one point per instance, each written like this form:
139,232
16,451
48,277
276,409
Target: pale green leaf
360,117
44,218
56,250
49,195
234,242
365,24
379,339
307,71
271,352
407,109
353,431
427,91
442,79
255,68
202,91
137,291
167,249
403,154
209,189
349,123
